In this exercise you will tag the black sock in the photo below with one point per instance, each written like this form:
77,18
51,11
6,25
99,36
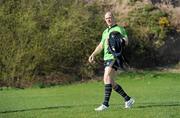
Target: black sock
107,94
119,90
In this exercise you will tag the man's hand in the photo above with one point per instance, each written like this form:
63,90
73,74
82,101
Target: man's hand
91,59
98,49
126,41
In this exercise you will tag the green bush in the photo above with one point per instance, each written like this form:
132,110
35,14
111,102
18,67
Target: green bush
146,35
52,39
42,37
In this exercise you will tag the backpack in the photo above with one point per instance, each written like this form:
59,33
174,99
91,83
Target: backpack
116,44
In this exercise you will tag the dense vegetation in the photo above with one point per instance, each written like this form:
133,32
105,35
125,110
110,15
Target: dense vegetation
45,38
148,29
50,40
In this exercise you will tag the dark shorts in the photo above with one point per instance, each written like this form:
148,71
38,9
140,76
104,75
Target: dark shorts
111,63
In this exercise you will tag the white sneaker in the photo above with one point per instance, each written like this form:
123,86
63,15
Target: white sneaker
101,108
128,104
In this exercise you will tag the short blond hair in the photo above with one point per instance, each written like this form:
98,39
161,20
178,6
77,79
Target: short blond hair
109,13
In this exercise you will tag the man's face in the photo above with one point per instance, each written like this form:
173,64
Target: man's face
109,19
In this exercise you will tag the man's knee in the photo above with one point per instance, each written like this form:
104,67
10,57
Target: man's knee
113,85
108,75
107,79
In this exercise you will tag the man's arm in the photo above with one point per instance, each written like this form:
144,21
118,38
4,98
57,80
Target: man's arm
126,41
98,49
124,33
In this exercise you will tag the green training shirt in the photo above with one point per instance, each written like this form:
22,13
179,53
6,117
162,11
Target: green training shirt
105,36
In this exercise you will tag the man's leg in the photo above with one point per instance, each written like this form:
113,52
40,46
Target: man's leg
120,91
108,88
128,100
108,85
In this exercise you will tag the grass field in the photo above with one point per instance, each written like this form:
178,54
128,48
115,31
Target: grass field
157,95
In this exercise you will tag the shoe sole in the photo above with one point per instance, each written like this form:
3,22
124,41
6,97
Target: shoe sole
100,110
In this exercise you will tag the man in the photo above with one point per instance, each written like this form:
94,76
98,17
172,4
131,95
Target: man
110,64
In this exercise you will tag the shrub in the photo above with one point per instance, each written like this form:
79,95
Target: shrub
148,27
39,38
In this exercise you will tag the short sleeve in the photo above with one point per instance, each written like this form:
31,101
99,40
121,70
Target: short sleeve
103,38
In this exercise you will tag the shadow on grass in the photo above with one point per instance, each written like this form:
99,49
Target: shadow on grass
48,108
157,105
138,105
35,109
